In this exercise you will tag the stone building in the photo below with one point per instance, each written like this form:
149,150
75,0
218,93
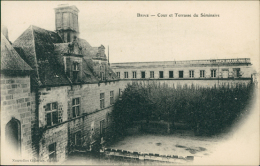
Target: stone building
73,89
205,73
17,103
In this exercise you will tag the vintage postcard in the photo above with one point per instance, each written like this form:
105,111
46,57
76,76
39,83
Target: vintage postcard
129,82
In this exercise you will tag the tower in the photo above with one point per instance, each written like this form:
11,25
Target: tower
66,22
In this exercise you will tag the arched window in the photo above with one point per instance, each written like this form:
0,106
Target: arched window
13,135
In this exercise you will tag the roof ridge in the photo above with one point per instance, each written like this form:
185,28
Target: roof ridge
35,53
34,27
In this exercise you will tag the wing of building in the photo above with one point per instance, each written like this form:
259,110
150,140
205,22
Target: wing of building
197,72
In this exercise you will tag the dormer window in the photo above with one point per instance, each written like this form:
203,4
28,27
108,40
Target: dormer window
102,76
75,71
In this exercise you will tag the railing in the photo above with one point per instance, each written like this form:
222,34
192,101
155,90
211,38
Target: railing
211,61
238,60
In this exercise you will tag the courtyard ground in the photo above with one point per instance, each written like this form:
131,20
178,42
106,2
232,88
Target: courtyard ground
181,143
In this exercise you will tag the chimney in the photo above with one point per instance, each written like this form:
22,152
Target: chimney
4,31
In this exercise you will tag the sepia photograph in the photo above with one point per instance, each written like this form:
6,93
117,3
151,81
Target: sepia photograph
129,83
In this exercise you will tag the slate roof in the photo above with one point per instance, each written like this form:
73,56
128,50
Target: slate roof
43,50
37,49
87,50
10,59
88,75
109,74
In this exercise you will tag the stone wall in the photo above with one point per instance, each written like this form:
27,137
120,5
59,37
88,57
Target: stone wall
53,95
59,137
84,126
17,103
55,133
89,127
91,114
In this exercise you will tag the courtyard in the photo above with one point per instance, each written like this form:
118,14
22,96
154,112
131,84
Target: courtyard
180,143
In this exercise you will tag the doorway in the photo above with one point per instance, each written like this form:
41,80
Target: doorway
13,135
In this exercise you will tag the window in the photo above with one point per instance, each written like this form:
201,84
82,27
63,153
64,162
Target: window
51,110
236,72
213,73
118,74
52,152
68,37
120,92
102,129
126,74
181,74
107,117
151,74
76,138
102,100
143,74
170,74
161,74
111,97
134,74
202,73
75,71
224,73
75,107
102,76
191,72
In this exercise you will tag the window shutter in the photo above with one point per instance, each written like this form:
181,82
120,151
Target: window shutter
60,113
69,110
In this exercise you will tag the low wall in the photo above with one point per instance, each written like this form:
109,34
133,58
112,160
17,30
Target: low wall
123,155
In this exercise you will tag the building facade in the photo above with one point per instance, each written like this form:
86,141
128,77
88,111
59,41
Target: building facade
64,103
205,73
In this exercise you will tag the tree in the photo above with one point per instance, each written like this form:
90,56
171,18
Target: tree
206,110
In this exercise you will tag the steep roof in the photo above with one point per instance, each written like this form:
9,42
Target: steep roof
87,50
88,72
37,49
109,73
43,50
10,59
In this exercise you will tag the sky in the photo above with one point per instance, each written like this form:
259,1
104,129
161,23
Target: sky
234,34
